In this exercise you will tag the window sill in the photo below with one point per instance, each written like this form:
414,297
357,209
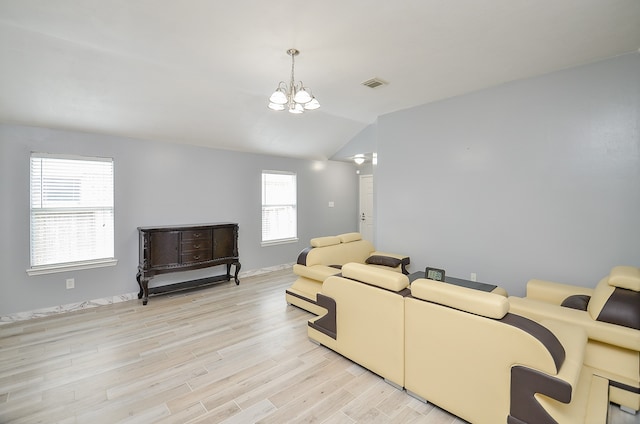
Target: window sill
75,266
277,242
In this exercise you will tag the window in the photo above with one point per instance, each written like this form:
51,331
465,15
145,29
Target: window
279,207
71,213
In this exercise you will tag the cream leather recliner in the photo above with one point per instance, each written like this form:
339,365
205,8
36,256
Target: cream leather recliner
364,319
465,353
610,315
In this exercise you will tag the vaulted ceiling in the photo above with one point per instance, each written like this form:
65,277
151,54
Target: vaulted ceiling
200,71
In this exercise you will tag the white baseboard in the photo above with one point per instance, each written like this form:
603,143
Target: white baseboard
70,307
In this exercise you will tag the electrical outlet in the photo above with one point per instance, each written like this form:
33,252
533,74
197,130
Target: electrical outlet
71,283
474,276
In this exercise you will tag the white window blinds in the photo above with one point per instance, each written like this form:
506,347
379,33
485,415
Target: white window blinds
71,210
279,207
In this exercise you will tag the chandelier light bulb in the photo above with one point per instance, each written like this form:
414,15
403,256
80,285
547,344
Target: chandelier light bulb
296,108
312,105
302,96
276,106
280,95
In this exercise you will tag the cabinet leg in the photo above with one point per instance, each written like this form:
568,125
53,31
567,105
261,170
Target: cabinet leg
144,288
145,291
235,277
138,275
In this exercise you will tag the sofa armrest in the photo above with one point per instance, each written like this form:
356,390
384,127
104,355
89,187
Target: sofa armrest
326,323
404,260
574,340
556,293
315,272
364,322
612,334
527,382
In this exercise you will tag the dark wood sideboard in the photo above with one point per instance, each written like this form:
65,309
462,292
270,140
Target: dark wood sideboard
186,247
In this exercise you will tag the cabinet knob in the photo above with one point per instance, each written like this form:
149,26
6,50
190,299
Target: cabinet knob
196,257
196,246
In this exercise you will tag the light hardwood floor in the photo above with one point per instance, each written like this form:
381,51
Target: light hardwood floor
224,354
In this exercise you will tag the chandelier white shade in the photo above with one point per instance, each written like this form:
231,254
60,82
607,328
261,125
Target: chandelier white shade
295,97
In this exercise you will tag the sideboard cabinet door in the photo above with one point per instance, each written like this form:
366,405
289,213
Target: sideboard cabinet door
163,248
224,242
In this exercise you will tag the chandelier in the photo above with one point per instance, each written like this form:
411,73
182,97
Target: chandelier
296,97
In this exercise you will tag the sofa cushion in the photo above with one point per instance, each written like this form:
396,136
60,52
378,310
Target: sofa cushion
384,260
625,277
325,241
577,301
379,277
476,302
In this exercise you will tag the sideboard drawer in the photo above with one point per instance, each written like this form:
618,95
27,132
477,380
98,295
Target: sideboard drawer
196,256
195,245
196,235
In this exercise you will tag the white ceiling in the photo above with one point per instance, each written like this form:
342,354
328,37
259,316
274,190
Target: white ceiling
200,71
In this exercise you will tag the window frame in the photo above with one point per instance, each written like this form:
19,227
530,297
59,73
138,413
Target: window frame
290,239
98,262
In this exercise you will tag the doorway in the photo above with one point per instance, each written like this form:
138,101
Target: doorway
365,214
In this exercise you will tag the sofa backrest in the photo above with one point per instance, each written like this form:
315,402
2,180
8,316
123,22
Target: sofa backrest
388,280
474,301
336,250
616,298
325,241
625,277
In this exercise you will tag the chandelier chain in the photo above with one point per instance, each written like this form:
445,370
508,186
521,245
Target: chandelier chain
292,86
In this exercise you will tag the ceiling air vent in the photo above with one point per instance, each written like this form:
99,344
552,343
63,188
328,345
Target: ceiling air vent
374,82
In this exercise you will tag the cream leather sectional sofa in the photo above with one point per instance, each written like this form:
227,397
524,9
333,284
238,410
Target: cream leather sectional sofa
459,348
325,257
610,315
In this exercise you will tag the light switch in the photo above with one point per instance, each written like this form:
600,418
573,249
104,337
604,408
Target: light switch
331,204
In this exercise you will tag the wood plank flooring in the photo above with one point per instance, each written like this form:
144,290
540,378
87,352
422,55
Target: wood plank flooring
224,354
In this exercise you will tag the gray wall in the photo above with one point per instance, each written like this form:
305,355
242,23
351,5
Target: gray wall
160,184
364,142
535,178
